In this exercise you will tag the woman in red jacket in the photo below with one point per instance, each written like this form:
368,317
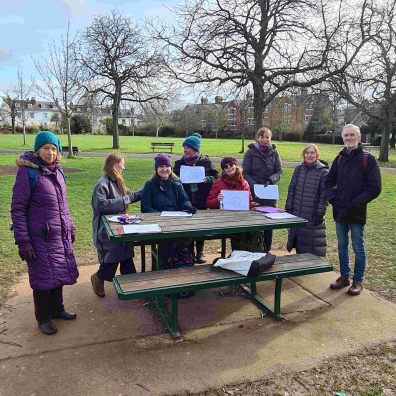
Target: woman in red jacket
231,178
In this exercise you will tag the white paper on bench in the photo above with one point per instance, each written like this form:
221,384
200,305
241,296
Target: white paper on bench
141,228
239,261
277,216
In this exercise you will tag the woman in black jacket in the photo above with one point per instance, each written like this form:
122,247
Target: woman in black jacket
307,198
197,192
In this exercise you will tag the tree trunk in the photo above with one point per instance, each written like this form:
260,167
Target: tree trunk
69,138
24,134
386,128
156,132
258,104
114,113
13,124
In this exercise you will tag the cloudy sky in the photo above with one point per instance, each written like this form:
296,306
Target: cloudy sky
26,26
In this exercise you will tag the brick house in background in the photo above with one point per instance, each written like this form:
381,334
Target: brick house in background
287,113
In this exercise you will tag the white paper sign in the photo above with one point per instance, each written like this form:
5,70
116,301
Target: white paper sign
266,192
175,213
192,174
235,200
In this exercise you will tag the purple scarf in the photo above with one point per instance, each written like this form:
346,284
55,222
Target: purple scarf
190,161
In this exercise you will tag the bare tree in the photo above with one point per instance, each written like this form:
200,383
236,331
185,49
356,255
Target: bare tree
60,76
10,100
117,56
23,90
370,83
157,114
270,45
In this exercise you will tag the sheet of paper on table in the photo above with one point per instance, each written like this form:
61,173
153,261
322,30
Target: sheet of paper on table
278,216
141,229
266,192
192,174
235,200
176,213
268,209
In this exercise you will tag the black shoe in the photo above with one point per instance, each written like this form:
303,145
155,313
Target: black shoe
65,316
200,258
47,328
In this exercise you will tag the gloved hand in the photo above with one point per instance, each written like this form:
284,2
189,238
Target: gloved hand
189,209
267,183
318,220
208,179
26,251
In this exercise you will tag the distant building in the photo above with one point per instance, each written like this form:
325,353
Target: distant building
46,114
289,113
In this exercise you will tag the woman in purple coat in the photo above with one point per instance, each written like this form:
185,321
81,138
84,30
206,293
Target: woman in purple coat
43,229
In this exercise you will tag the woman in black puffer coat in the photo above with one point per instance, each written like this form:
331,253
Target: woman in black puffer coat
307,198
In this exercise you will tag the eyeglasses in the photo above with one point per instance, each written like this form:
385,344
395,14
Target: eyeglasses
228,166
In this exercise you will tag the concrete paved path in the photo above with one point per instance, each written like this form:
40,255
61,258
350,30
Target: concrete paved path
120,347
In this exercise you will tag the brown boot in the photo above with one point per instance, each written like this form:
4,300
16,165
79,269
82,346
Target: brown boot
98,285
340,283
356,288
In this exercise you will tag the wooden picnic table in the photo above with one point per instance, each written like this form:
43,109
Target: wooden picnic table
205,224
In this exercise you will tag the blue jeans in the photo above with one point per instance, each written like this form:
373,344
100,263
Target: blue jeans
357,237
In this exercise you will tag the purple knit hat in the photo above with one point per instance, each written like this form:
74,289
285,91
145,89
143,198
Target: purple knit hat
162,159
228,160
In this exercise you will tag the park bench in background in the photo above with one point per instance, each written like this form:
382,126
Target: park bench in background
157,284
160,146
66,149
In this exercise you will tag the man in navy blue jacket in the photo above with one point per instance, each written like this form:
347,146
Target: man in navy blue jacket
353,181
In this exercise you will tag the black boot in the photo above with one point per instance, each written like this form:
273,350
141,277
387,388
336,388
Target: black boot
200,257
47,327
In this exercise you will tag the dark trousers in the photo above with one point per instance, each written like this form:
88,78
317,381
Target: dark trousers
48,303
267,240
199,246
107,271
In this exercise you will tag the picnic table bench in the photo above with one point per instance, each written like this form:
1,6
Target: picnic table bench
162,146
158,284
75,149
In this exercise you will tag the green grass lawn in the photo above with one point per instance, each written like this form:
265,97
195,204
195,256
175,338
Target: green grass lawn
380,230
289,151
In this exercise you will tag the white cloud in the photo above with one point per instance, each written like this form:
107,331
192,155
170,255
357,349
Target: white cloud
5,53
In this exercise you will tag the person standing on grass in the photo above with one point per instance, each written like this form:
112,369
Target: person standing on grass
111,196
354,180
44,230
307,198
262,165
197,192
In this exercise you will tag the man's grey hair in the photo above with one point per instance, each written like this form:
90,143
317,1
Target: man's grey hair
354,128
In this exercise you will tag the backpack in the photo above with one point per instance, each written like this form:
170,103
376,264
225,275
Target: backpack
365,158
33,176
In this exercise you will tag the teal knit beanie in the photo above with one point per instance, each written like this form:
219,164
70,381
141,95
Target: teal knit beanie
45,137
193,141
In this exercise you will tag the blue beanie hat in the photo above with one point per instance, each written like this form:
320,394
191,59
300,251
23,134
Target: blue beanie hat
193,141
162,159
46,137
